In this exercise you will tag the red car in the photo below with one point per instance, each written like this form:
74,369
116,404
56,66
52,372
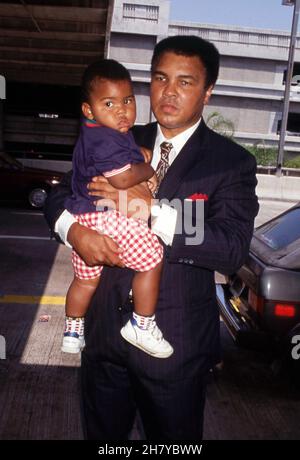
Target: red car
21,184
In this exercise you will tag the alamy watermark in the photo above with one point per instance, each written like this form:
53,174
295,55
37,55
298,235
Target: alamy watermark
188,219
2,87
2,347
296,349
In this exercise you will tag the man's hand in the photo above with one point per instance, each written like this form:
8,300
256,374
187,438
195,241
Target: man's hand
94,248
133,202
152,184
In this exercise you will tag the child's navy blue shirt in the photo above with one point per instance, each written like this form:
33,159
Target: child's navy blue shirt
99,150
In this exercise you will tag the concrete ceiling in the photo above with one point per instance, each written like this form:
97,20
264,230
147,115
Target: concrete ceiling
51,41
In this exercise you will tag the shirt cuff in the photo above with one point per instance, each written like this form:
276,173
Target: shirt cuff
62,226
163,222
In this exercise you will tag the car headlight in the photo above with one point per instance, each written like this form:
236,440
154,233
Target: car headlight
52,181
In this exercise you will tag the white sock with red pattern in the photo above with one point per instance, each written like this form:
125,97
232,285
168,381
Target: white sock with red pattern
73,324
143,322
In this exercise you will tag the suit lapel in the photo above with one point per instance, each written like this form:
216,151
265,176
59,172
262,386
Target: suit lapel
145,135
194,151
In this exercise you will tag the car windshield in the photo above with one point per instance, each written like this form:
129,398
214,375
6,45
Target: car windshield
283,231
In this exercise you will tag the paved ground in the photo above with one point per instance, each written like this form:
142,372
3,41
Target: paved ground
271,208
38,383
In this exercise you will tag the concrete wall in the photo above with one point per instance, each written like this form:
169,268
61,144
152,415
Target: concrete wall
144,17
241,69
143,102
278,188
130,48
248,115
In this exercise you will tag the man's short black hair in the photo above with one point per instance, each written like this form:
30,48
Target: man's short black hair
190,45
107,69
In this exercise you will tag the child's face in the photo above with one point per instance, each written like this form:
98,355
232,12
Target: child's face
111,104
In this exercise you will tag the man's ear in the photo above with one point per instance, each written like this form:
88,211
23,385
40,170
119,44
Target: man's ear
208,94
86,110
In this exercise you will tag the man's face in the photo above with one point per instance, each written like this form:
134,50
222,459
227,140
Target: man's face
178,92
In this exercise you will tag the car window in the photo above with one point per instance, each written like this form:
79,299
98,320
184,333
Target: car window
283,231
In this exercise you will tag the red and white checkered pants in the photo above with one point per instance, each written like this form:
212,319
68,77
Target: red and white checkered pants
141,249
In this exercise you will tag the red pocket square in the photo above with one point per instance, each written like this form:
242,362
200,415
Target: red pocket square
198,196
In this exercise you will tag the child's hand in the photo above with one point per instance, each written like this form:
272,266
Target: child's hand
147,154
152,184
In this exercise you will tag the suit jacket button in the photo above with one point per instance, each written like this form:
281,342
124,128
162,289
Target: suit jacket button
120,308
186,261
180,261
191,261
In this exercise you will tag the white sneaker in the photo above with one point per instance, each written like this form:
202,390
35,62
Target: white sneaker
150,340
72,342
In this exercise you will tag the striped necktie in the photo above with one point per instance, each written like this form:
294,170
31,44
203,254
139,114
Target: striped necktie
163,164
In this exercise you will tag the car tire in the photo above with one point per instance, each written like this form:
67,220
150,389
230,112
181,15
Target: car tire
37,197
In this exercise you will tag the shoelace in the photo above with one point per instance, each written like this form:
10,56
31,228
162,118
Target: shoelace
155,331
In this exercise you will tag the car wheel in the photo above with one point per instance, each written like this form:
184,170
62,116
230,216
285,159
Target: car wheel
37,197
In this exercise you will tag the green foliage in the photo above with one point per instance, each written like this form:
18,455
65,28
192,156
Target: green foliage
221,125
292,162
265,156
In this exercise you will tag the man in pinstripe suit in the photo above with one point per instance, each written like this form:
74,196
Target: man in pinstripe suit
117,378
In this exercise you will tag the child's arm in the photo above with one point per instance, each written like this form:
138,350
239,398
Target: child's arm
137,173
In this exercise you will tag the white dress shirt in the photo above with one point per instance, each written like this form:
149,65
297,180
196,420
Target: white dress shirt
177,142
163,216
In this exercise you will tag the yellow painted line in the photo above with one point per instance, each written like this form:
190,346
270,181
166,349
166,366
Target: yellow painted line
33,299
